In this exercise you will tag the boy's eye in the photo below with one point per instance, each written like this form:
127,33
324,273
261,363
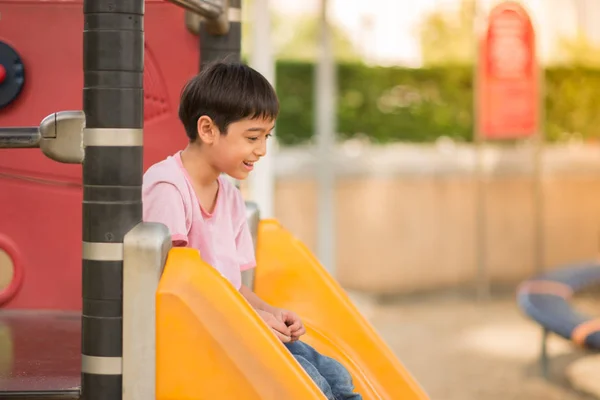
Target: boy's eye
255,138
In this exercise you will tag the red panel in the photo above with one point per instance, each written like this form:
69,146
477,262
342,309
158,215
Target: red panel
40,200
508,75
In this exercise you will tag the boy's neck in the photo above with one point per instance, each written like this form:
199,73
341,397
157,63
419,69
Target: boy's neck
197,166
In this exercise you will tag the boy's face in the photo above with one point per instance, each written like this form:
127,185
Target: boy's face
244,144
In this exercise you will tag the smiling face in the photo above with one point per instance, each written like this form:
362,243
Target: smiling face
235,152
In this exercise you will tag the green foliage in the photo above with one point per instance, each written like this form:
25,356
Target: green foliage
572,103
389,104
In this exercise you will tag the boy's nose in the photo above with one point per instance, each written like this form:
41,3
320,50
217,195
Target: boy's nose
262,149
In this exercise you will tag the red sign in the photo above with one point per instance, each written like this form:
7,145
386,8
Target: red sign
508,88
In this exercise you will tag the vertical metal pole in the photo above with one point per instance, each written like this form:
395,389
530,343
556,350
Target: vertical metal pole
262,181
228,46
483,287
145,250
113,102
544,353
538,187
325,123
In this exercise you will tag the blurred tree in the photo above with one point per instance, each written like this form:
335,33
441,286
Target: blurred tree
296,38
447,36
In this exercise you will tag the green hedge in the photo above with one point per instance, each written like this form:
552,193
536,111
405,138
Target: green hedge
420,105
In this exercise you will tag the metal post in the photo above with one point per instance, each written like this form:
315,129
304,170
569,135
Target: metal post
262,180
219,45
20,137
113,103
145,250
208,9
253,218
325,123
538,184
483,286
544,353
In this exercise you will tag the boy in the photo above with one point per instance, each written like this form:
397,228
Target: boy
228,112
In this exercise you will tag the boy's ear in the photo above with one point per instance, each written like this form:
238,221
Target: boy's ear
207,130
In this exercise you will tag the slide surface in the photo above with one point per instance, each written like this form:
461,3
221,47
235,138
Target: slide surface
289,276
210,344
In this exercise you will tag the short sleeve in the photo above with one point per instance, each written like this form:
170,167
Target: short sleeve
163,204
245,247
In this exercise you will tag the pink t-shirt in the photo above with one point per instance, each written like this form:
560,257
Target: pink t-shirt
223,237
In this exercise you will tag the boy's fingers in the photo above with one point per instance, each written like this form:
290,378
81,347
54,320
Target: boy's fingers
300,331
279,326
295,326
282,337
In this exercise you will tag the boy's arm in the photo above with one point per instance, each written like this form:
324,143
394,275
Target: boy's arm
289,318
246,256
255,301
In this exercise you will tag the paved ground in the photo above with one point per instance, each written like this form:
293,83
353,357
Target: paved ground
459,350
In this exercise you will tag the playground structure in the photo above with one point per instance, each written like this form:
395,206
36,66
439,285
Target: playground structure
545,299
155,321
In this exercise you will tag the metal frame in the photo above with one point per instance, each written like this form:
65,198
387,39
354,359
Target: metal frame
325,122
59,136
113,100
483,280
122,257
544,361
253,218
119,310
145,250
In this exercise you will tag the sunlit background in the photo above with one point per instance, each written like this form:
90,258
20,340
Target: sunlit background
405,199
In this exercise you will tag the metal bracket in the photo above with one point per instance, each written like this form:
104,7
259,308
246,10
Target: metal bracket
214,14
62,136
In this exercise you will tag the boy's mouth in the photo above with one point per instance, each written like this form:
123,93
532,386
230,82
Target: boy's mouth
249,165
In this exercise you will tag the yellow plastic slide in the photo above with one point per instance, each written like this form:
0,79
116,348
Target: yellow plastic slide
212,345
289,276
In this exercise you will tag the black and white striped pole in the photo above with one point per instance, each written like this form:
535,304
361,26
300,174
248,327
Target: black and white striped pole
218,23
217,43
113,103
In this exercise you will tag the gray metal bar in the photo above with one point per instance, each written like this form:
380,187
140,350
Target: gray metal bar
113,64
483,283
325,122
205,8
262,180
253,218
538,177
145,250
218,42
20,137
544,362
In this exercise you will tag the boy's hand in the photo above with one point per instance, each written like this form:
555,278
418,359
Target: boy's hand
292,321
282,331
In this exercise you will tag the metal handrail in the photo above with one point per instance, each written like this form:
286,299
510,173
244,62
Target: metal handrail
20,137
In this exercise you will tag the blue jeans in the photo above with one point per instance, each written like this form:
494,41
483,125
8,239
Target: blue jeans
329,375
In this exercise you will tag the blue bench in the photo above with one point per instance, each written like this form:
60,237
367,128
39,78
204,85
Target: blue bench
545,299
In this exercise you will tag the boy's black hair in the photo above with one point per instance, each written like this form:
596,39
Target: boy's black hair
226,92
